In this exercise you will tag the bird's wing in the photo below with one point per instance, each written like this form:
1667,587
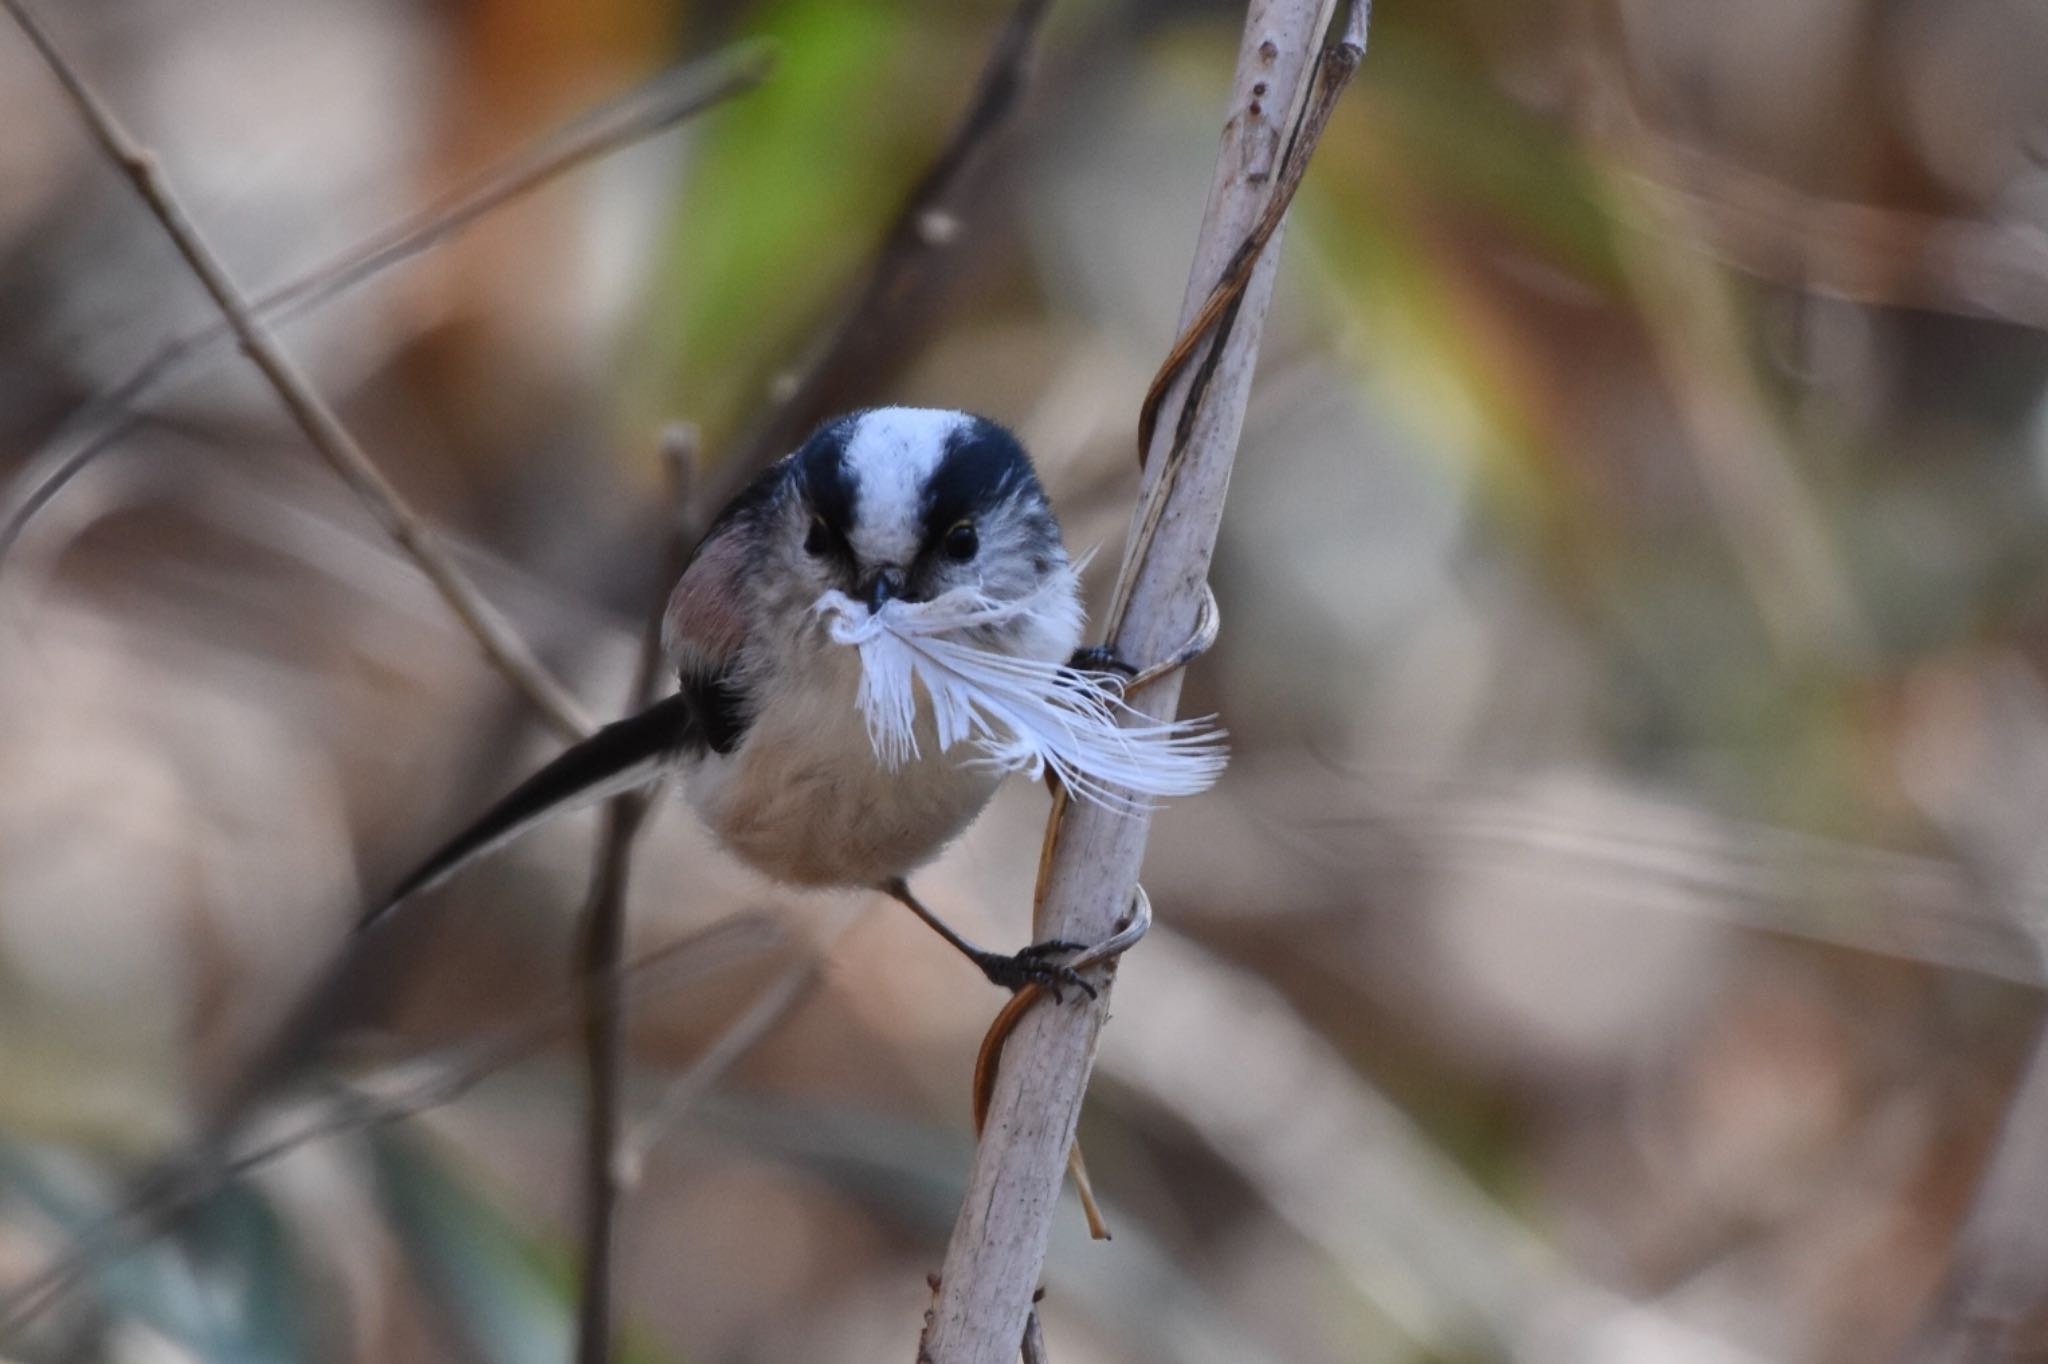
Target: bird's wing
629,753
702,632
705,627
706,620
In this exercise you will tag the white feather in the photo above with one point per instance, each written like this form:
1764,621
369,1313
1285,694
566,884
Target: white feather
1024,714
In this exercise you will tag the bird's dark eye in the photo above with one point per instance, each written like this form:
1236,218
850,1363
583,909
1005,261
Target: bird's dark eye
819,540
961,542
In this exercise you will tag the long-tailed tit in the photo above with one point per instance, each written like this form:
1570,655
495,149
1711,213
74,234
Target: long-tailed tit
774,731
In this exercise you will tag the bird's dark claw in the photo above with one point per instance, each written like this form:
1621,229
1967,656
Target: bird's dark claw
1032,967
1100,658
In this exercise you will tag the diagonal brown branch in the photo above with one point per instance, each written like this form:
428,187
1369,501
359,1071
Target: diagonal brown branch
1090,871
921,228
661,103
509,654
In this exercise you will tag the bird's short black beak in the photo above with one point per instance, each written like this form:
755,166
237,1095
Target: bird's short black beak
881,588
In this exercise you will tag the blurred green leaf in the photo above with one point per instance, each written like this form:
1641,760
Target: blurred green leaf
229,1285
855,102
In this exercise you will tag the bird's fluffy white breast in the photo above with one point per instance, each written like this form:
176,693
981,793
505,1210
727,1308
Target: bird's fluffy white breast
805,800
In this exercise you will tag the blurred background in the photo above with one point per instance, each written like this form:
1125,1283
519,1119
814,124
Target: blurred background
1618,937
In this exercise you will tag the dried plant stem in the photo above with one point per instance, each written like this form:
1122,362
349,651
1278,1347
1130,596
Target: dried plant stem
998,1244
509,654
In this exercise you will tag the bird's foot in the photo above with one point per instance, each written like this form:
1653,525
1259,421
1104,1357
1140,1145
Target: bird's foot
1033,966
1100,658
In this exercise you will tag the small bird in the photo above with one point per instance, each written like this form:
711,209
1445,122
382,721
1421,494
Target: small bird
767,730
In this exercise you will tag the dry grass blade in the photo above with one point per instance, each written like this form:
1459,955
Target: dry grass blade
988,1061
1213,320
509,654
1034,1340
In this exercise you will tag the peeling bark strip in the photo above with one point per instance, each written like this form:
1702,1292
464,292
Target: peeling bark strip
984,1295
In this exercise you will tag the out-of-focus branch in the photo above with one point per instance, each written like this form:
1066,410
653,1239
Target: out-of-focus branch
509,654
1774,527
1993,1302
673,96
1773,524
1860,253
1090,872
1988,1310
602,943
602,946
924,225
1343,1166
741,1036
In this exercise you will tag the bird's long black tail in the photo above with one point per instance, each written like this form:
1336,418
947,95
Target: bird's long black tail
621,756
627,754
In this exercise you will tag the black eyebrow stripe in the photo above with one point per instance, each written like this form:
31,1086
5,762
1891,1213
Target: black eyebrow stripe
822,465
982,463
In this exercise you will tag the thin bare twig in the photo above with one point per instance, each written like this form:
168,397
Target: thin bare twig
603,938
1090,870
509,654
925,224
602,947
670,98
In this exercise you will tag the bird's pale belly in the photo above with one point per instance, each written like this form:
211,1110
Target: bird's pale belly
805,800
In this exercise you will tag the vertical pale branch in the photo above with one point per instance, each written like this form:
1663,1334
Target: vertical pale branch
999,1242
